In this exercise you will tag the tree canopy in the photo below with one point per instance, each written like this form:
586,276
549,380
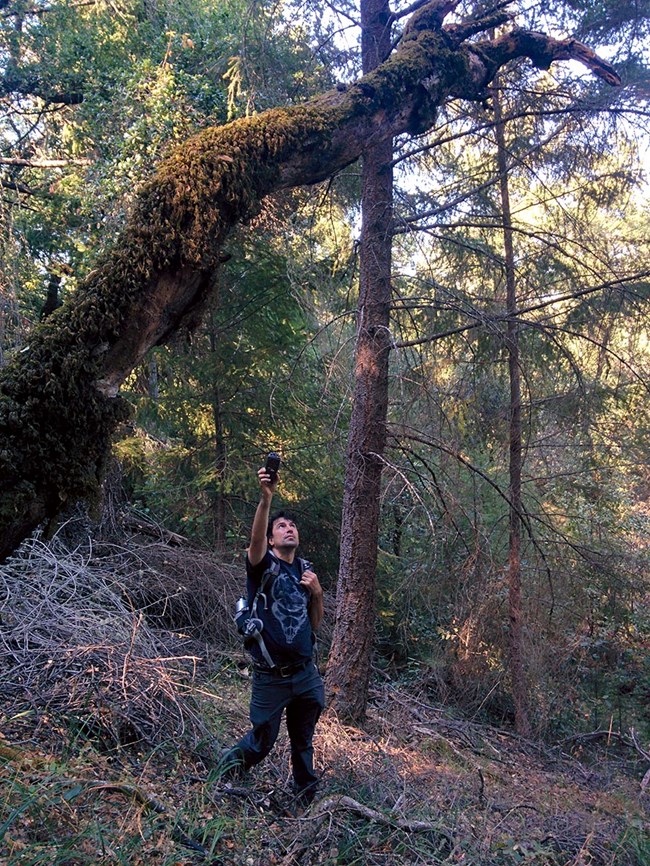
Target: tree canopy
60,397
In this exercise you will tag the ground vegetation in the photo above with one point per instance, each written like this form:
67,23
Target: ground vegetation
110,732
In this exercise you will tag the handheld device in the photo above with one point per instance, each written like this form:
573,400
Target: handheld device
272,465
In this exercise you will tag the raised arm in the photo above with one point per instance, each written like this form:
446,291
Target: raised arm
258,543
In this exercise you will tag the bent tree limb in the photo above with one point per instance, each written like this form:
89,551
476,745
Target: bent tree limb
59,399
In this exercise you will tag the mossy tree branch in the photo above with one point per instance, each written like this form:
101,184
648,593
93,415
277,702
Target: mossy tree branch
59,399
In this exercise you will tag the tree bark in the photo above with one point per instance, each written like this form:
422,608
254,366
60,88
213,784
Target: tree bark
348,668
515,605
59,400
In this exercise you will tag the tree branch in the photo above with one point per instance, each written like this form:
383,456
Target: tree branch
483,319
28,82
58,399
42,163
16,187
543,51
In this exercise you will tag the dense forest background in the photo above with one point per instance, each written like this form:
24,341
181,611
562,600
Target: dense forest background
526,213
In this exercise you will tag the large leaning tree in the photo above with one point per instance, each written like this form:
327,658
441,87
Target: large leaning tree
59,399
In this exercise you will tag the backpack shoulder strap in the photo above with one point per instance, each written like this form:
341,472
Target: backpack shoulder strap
272,571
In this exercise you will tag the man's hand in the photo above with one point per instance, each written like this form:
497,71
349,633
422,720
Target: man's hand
316,609
267,486
257,547
310,582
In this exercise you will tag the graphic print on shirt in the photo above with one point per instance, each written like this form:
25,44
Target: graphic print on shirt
288,606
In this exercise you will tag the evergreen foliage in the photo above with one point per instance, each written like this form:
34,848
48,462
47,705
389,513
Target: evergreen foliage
278,374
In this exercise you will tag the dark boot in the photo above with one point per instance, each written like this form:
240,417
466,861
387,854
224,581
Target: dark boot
230,766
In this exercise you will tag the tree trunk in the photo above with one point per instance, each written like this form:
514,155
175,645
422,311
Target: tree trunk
515,607
59,399
348,668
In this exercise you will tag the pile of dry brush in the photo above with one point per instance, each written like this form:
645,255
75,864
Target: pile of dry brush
107,640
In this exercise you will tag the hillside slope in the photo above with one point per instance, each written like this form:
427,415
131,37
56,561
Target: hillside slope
122,680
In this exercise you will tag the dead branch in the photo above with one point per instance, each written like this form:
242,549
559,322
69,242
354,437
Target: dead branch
342,802
543,51
635,742
16,187
147,527
73,645
42,163
630,740
645,781
609,735
139,795
321,811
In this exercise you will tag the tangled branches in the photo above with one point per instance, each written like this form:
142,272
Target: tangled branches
77,645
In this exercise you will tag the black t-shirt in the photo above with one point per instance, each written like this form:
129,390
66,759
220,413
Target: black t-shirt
287,629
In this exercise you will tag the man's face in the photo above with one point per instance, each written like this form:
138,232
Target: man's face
284,534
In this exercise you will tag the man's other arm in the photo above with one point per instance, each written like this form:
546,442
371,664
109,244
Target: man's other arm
316,609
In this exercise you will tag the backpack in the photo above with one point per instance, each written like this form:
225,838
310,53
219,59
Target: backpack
249,625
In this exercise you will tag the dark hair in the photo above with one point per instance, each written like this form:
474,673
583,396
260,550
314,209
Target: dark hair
287,515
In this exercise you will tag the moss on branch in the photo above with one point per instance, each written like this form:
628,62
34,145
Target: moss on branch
58,403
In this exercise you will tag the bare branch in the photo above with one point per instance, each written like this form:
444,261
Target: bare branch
16,187
619,283
543,51
43,163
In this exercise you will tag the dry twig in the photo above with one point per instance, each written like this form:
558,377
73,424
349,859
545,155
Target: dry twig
75,647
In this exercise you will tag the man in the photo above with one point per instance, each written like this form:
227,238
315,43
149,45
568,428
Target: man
291,609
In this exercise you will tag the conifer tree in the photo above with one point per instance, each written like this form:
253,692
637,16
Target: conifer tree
60,399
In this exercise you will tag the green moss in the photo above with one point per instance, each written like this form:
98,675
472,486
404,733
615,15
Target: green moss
55,425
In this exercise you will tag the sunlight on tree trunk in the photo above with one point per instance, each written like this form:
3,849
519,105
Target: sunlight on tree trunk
348,670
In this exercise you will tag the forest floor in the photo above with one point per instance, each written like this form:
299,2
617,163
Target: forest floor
416,786
413,787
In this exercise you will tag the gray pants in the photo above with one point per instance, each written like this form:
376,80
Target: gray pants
302,695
